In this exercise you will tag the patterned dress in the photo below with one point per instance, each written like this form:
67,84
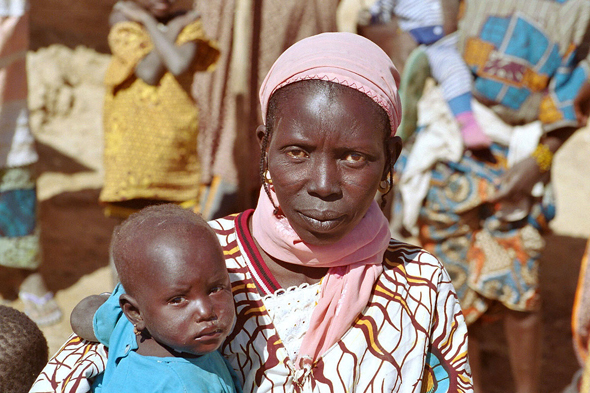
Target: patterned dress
151,131
411,337
529,62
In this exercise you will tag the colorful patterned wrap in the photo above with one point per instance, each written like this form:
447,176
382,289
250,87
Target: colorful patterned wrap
19,232
527,56
527,67
410,338
489,259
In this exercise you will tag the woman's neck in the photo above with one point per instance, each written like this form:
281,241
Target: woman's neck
287,274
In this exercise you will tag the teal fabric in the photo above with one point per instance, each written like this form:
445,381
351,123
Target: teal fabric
127,371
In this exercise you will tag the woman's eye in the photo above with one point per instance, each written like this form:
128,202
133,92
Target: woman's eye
355,157
216,289
297,153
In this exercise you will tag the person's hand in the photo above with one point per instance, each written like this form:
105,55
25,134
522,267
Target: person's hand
132,11
518,182
582,104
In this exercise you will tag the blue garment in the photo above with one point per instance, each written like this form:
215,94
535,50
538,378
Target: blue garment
127,371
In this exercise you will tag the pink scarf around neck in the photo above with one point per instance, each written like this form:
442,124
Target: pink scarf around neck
354,262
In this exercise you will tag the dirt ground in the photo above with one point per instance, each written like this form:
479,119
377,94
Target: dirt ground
66,103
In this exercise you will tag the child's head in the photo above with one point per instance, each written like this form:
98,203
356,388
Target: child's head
172,268
23,351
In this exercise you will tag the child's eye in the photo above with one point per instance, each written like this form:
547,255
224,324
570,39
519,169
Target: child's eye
176,300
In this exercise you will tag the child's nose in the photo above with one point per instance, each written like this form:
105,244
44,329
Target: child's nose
204,310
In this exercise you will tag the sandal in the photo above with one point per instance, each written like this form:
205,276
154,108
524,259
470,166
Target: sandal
44,310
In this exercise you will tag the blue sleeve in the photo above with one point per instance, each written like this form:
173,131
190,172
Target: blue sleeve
106,317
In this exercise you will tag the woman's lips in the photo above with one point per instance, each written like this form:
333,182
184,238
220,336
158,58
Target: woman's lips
322,221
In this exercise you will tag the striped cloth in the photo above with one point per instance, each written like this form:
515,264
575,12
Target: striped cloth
411,14
446,64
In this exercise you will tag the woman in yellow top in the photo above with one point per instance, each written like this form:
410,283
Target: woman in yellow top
150,118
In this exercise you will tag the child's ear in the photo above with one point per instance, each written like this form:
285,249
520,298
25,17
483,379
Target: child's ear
131,310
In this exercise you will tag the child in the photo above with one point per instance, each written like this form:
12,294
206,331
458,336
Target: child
150,119
178,303
424,21
23,351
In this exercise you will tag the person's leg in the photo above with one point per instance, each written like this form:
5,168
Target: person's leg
20,249
523,333
39,303
474,349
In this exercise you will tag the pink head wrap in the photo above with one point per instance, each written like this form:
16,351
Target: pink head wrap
344,58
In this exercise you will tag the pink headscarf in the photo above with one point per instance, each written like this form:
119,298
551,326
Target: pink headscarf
344,58
355,261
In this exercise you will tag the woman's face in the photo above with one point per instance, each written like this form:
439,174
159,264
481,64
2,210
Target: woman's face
326,157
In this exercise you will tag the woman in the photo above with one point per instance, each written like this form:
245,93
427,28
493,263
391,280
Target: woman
325,300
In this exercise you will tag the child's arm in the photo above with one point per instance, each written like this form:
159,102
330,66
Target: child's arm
166,54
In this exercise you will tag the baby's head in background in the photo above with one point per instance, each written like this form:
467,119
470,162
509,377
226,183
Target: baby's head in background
23,351
178,292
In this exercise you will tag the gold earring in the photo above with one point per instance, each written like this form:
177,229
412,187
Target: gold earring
385,186
135,331
267,178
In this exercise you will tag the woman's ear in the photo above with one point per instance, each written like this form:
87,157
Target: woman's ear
260,131
394,147
131,310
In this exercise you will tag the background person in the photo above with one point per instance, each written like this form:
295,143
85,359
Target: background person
20,249
484,214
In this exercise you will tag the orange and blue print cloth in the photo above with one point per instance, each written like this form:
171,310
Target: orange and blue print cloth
517,62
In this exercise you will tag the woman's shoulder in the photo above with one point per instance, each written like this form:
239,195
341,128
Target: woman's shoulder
411,261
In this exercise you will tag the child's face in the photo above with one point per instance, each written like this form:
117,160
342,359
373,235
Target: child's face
185,300
157,8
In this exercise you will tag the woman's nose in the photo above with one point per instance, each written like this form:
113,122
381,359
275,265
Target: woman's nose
324,179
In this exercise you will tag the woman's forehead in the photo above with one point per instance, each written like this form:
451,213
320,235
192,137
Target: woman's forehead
319,101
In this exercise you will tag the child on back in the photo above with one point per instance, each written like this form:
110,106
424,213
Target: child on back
150,118
178,305
424,21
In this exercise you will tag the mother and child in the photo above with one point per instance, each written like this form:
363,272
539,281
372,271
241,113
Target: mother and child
322,299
